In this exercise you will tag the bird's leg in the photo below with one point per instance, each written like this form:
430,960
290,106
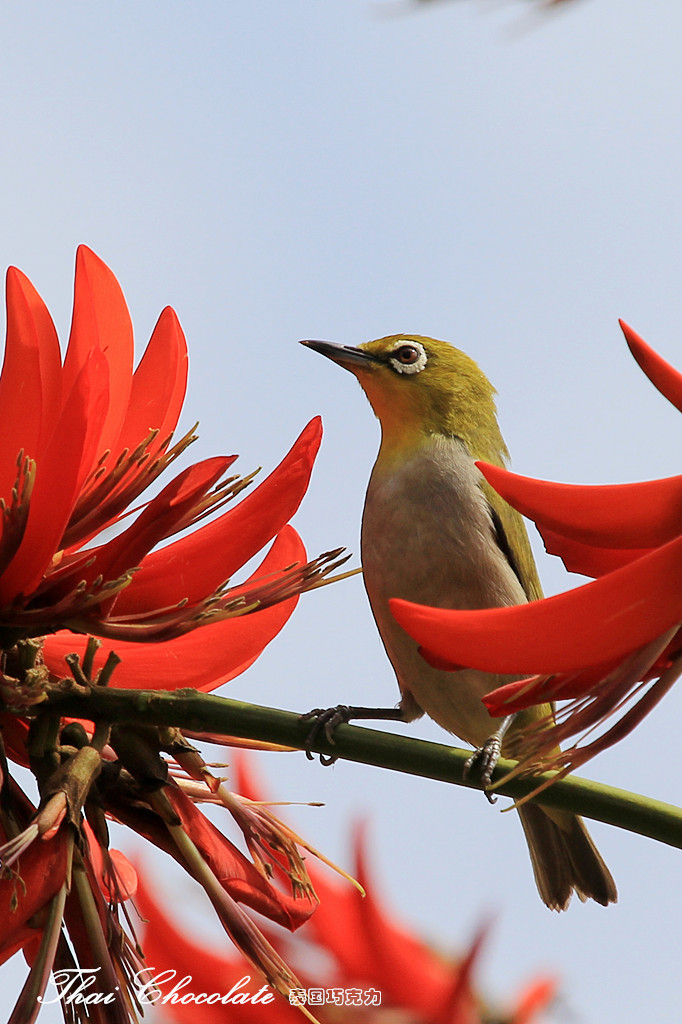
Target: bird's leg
327,720
486,757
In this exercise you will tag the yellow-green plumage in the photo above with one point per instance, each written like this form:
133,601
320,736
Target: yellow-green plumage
435,533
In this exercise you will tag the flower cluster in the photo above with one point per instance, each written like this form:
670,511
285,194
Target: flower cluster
83,437
358,963
612,646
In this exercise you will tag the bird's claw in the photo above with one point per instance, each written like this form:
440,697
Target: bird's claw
483,761
326,721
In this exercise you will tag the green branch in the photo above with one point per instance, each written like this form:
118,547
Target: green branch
200,712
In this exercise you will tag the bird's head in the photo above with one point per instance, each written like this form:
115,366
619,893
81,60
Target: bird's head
418,387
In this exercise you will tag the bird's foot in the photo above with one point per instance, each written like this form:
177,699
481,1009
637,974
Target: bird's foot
325,723
327,720
483,762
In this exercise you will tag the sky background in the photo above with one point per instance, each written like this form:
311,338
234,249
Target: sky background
344,170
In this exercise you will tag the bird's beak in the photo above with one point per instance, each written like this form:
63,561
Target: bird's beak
345,355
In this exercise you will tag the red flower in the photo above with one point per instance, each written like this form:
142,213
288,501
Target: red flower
82,439
594,645
351,944
92,437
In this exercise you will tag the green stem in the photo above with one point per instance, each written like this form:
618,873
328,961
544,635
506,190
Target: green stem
200,712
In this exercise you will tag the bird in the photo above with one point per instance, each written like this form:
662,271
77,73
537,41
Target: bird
434,532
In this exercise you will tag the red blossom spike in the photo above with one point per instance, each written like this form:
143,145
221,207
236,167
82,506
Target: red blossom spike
98,434
662,375
599,622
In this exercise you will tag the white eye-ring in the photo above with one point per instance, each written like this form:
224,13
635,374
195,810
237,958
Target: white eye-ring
408,357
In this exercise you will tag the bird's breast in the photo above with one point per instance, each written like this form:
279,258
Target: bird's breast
428,536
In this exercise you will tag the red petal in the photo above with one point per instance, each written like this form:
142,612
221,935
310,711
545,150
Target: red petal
43,869
370,947
535,998
15,737
586,559
596,623
204,659
158,520
462,1002
539,690
167,948
199,563
400,964
57,478
126,875
662,375
235,873
640,515
101,320
159,385
30,385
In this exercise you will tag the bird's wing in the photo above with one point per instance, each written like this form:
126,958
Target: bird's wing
512,537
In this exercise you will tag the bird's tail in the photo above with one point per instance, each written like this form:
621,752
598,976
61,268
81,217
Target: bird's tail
564,858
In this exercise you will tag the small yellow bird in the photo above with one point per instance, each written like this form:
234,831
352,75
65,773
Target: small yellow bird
435,533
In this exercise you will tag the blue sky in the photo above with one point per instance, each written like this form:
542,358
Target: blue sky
345,170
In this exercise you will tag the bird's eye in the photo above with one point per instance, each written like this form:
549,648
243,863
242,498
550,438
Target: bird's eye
407,354
408,357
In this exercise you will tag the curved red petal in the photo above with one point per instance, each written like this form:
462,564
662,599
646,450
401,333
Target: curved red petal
400,964
601,621
337,927
524,693
662,375
43,870
101,319
159,519
166,946
639,515
371,947
15,737
57,478
536,997
236,874
30,385
199,563
587,559
126,876
204,659
159,385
